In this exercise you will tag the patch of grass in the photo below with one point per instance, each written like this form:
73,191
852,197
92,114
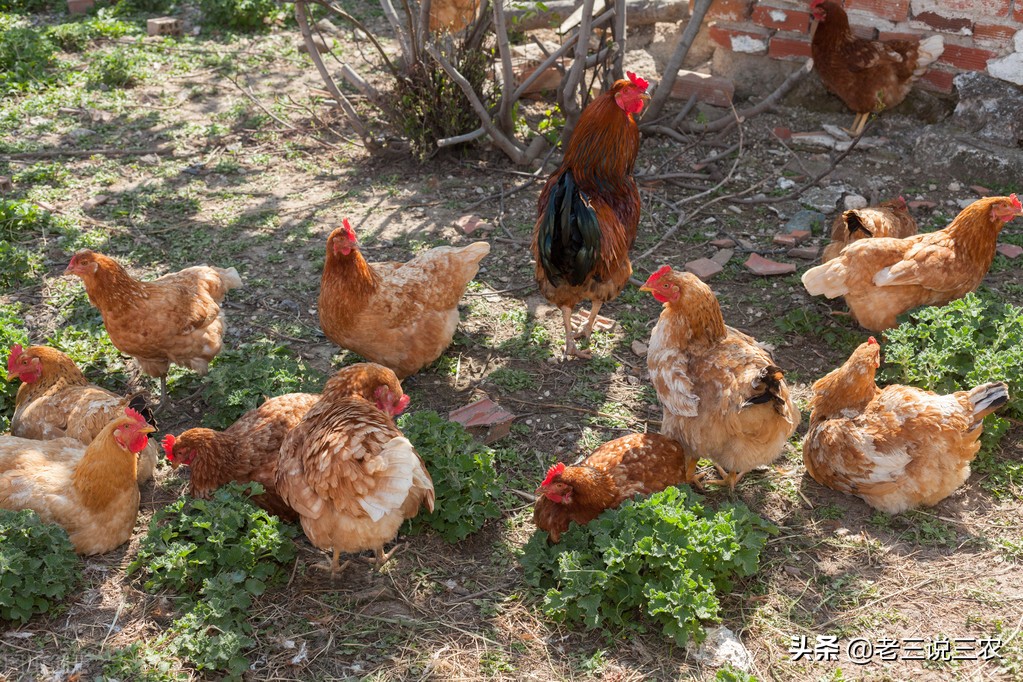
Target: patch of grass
218,554
120,67
242,15
12,331
666,557
38,565
141,663
28,58
511,379
465,481
78,35
807,323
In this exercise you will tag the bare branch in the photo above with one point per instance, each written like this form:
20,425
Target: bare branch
618,33
570,106
424,22
399,32
504,112
362,27
314,54
507,145
663,89
459,139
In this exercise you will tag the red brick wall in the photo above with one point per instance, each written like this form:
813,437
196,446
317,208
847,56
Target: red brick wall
975,31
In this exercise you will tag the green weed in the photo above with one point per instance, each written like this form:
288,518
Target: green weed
38,565
512,379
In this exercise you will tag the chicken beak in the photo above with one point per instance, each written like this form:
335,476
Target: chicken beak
813,27
645,288
539,491
147,429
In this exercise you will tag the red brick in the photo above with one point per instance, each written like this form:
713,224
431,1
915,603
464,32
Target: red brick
747,39
968,58
713,90
732,10
965,8
1017,14
899,35
771,15
995,33
936,81
892,10
788,46
943,23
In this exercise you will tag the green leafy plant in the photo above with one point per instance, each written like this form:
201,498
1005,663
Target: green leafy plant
76,36
465,481
27,57
512,379
970,341
242,15
665,557
117,68
38,565
12,331
217,554
240,378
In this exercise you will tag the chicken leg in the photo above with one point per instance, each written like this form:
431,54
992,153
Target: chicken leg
729,478
587,329
859,123
570,347
382,557
333,568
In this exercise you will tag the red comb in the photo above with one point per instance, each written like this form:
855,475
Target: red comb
661,272
348,228
134,414
1015,202
637,81
168,446
400,406
552,472
872,341
16,351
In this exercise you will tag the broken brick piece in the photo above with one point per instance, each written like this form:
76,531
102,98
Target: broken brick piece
1010,250
786,239
722,243
759,265
800,235
485,419
704,268
804,252
470,223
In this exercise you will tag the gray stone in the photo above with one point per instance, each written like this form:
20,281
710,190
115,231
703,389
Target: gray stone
810,221
1010,67
972,160
823,199
723,256
989,108
854,201
721,647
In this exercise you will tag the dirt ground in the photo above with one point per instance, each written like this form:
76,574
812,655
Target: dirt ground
263,197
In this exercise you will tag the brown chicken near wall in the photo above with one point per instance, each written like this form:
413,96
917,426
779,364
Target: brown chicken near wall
868,75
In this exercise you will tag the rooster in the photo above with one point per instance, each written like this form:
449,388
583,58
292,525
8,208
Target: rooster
888,219
91,492
400,315
588,212
248,450
868,75
640,463
722,394
898,447
883,278
174,319
55,400
348,471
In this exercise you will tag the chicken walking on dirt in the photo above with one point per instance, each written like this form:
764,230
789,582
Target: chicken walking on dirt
896,448
173,319
55,400
90,491
883,278
400,315
868,75
588,211
723,396
640,463
348,471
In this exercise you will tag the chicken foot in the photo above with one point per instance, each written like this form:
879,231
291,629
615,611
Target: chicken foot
332,567
729,478
570,347
382,557
859,123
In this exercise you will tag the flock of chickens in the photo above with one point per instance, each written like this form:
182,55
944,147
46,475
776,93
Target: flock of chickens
337,463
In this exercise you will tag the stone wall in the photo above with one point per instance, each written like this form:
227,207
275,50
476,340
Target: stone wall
979,34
